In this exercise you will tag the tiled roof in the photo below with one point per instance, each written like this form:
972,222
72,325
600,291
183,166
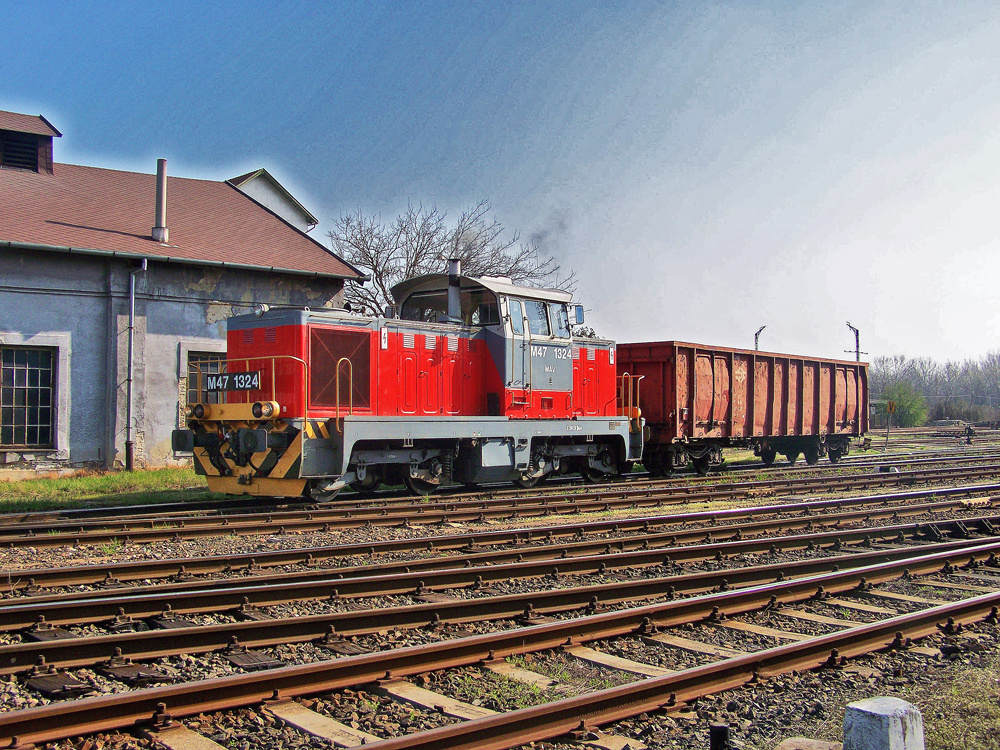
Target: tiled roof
104,209
35,124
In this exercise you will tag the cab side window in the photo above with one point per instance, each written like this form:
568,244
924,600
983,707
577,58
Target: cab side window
560,319
516,316
538,319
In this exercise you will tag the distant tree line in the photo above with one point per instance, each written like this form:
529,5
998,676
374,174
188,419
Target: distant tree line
926,390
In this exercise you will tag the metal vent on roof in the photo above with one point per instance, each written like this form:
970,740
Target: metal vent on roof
408,341
452,343
430,342
248,335
18,150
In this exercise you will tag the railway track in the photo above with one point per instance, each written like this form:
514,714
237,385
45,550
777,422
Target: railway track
639,480
657,530
506,508
730,605
369,642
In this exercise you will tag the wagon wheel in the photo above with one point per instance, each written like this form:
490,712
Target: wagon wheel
767,455
703,464
418,486
792,457
811,454
834,454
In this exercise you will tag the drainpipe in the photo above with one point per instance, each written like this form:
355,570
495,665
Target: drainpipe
129,444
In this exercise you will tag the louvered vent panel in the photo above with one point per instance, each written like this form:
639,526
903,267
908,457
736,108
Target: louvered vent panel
591,354
270,335
408,341
452,343
576,352
430,342
248,335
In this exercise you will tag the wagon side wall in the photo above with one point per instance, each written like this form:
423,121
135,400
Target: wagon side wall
693,391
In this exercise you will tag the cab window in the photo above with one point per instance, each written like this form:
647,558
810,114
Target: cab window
560,319
516,316
538,319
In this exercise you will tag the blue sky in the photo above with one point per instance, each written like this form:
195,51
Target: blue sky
706,168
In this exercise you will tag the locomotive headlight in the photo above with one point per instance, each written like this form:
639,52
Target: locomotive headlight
200,411
264,409
188,411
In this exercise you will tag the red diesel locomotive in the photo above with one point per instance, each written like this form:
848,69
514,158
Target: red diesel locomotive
470,380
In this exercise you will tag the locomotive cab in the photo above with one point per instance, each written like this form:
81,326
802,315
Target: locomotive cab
467,380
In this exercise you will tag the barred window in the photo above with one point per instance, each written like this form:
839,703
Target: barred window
199,365
27,397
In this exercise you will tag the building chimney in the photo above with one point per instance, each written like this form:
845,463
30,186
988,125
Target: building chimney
160,231
454,290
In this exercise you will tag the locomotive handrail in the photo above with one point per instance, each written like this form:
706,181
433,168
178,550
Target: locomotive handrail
628,395
224,366
338,421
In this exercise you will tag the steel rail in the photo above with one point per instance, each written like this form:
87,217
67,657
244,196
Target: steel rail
143,569
639,480
89,715
86,651
83,607
483,510
671,692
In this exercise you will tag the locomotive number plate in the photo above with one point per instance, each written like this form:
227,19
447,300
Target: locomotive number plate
233,381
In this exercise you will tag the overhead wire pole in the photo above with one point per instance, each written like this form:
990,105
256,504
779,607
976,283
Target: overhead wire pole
756,337
857,343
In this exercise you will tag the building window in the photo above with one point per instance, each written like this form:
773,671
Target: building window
27,398
199,365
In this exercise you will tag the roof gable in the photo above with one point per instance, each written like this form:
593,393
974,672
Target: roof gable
261,186
34,124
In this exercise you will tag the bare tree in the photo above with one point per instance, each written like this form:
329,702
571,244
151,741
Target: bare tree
419,240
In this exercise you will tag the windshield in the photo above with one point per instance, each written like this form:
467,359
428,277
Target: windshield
479,307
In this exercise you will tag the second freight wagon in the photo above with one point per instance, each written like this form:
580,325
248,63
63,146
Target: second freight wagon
699,399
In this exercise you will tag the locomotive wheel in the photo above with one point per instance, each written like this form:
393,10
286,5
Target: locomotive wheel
811,454
418,486
530,481
767,455
594,476
654,464
369,485
703,464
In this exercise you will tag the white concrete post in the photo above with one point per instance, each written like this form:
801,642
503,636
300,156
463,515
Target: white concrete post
883,724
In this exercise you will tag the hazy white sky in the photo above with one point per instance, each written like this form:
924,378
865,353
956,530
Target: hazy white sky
705,168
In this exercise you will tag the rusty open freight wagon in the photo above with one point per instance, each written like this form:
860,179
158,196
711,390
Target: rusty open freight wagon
699,399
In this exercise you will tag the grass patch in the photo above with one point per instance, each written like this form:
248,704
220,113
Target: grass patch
99,489
964,714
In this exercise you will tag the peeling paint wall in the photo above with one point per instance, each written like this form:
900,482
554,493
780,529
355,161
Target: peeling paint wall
79,305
